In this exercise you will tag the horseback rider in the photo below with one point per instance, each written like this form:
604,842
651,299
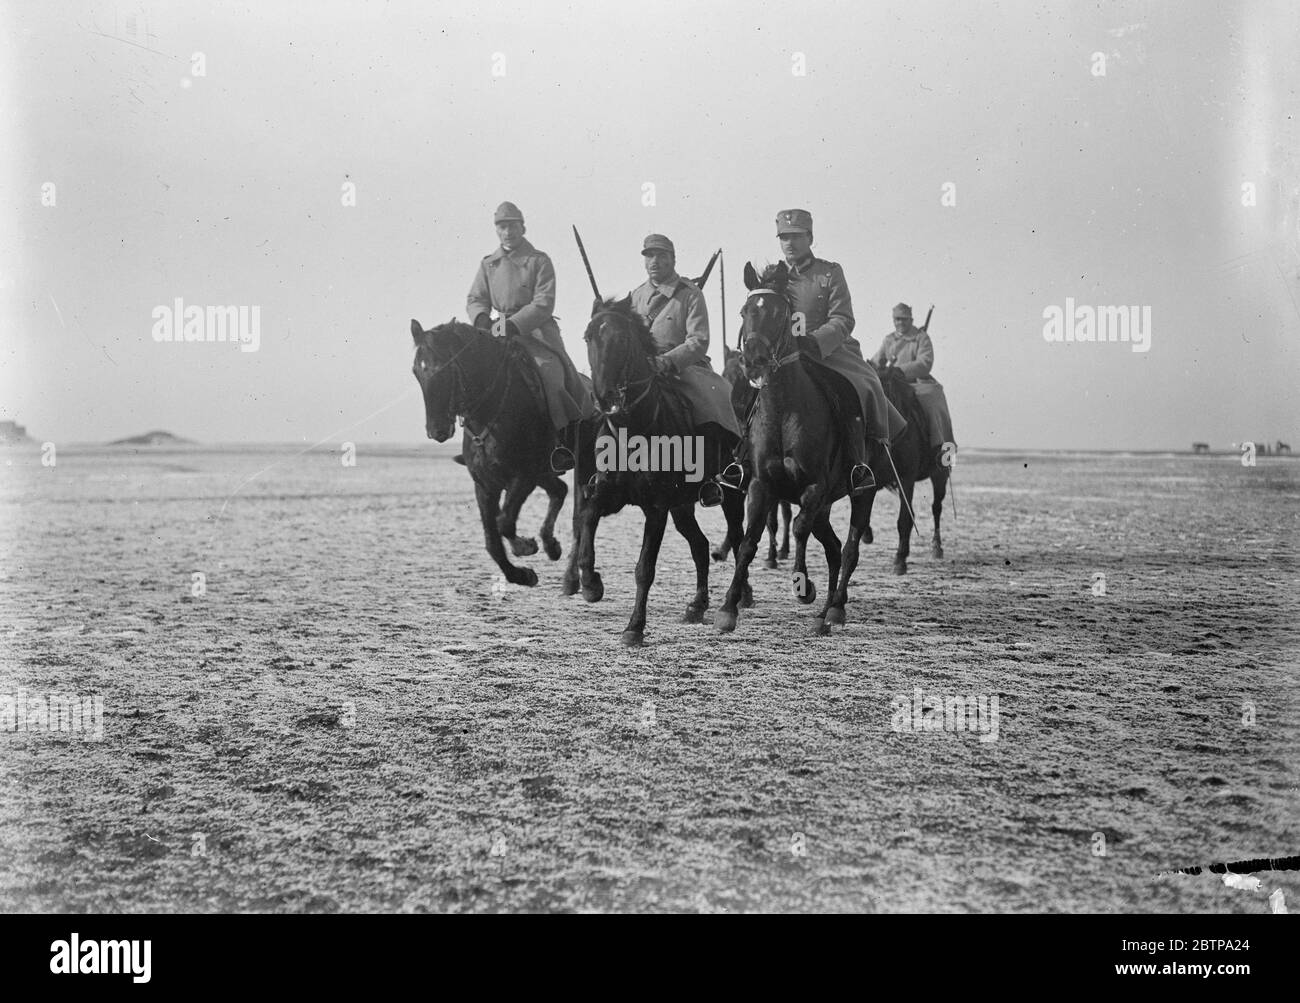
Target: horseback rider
518,281
822,323
673,309
910,350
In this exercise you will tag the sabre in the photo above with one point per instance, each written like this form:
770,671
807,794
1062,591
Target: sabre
583,251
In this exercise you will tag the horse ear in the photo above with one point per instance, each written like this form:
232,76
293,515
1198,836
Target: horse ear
416,330
625,304
751,276
781,277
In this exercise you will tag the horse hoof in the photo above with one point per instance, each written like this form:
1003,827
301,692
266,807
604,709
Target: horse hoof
594,592
553,548
809,592
937,551
820,628
900,567
693,615
526,576
633,638
523,546
719,555
725,622
770,564
866,535
569,587
835,616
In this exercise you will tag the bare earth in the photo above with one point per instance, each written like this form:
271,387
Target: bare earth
351,717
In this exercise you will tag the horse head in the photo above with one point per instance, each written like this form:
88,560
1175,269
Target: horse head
619,349
765,339
442,357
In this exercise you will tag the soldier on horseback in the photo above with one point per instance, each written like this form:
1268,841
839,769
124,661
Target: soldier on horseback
910,350
518,281
822,325
673,309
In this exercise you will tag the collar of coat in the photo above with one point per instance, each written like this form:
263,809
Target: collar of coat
523,247
803,269
668,288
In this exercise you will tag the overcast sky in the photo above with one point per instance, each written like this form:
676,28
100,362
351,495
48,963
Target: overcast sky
226,188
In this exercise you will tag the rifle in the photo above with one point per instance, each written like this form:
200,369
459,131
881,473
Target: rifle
708,269
928,314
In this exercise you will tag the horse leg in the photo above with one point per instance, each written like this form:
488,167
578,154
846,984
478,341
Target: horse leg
517,492
684,520
825,534
771,538
810,502
905,489
860,514
733,507
556,491
656,520
939,482
785,531
489,512
756,516
586,517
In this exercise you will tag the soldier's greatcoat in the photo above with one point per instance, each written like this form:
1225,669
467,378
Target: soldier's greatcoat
681,333
818,291
520,285
913,353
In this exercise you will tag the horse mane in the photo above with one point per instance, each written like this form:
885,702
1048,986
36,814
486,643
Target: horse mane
624,309
768,273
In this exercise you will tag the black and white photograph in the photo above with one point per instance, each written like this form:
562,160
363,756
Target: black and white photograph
650,458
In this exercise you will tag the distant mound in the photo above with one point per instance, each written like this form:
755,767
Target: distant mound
152,439
11,431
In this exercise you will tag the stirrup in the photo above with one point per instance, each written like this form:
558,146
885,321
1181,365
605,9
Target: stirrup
562,460
710,494
861,479
733,476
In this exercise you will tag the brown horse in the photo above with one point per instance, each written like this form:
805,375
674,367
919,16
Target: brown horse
742,396
636,402
913,460
492,385
794,436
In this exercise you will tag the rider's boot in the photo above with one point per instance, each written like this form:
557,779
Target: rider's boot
562,458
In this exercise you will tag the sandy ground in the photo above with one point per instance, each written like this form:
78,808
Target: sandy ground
357,714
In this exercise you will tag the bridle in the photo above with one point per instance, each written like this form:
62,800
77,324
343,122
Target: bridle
784,329
466,413
621,387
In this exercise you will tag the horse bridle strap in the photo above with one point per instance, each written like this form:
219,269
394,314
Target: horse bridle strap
623,387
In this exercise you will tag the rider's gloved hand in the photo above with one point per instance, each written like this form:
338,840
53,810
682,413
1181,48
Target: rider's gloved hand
483,322
808,346
663,365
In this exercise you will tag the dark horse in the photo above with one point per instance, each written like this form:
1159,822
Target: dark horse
493,386
742,395
637,402
794,437
915,461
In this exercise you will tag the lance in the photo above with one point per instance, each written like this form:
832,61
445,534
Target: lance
722,277
583,251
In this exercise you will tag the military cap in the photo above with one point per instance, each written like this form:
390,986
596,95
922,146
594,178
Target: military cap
505,211
902,310
657,242
793,221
